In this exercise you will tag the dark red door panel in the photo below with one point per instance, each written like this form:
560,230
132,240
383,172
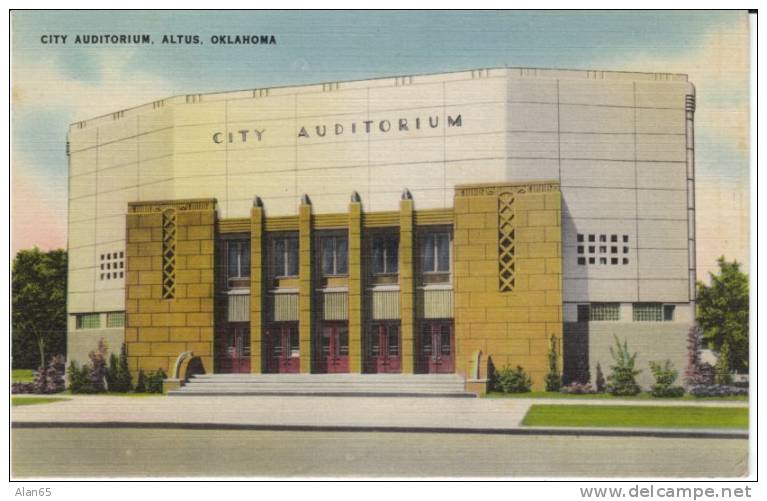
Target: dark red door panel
282,349
333,350
383,348
233,350
436,348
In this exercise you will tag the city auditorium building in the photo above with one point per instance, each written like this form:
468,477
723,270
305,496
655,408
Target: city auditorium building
415,224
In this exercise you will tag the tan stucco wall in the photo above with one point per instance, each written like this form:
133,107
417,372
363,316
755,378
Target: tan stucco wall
512,327
158,329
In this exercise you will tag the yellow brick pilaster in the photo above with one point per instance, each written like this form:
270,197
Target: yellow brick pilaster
305,284
256,284
355,286
406,284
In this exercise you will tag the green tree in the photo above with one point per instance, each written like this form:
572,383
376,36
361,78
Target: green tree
39,302
723,312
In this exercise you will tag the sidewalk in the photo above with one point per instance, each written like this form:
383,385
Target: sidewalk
438,415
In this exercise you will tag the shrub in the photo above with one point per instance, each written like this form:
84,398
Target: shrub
717,390
513,380
117,375
621,381
141,382
22,388
600,380
51,379
723,373
98,368
111,372
154,381
576,388
46,380
553,378
79,378
665,377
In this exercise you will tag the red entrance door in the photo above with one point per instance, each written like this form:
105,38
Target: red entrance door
383,352
334,348
282,348
233,351
435,348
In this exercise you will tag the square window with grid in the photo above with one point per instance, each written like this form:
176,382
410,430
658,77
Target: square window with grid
88,321
648,312
604,312
112,265
588,254
116,319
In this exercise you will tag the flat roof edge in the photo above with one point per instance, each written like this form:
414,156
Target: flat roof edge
513,72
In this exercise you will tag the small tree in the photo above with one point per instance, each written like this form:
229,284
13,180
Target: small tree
723,312
723,373
124,378
553,378
118,376
600,379
622,379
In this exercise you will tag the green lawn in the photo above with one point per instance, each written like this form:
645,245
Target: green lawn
15,401
606,396
636,416
114,394
21,376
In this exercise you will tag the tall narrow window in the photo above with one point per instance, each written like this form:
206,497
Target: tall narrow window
286,257
435,252
385,254
169,254
237,261
334,257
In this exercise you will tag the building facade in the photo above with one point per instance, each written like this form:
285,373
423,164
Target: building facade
433,223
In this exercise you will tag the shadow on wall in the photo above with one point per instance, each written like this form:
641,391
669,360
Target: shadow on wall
194,368
492,375
576,353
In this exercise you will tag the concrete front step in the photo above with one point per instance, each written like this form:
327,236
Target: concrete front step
443,385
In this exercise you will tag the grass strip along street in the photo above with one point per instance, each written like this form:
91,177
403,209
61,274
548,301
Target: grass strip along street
607,396
16,401
627,416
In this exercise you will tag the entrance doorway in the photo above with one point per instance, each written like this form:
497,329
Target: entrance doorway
281,348
233,349
382,348
333,348
436,347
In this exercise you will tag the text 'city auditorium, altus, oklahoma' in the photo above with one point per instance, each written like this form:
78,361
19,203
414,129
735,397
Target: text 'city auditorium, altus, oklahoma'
413,224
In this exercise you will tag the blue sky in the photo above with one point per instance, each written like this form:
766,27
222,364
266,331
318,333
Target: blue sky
56,85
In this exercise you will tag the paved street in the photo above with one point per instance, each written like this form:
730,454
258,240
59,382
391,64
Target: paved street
241,453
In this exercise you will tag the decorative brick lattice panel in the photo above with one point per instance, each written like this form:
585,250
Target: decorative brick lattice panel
169,254
506,229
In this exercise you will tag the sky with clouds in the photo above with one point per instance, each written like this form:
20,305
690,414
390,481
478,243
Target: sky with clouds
55,85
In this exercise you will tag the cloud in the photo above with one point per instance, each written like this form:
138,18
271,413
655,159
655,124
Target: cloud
722,223
41,84
719,67
41,89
